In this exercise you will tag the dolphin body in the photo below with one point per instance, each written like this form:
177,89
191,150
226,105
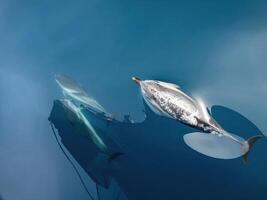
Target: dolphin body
167,99
73,90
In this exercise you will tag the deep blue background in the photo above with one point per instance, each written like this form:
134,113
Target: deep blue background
213,49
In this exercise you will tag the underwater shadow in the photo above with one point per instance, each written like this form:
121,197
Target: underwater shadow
234,122
156,163
84,151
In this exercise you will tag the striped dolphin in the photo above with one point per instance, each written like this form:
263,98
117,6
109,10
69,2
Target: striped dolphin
167,99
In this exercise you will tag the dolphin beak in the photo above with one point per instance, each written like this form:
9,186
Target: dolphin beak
136,80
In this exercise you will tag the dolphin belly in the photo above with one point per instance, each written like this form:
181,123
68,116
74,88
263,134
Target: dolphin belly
178,107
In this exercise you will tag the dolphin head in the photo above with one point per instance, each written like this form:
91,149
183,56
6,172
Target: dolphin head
148,87
67,84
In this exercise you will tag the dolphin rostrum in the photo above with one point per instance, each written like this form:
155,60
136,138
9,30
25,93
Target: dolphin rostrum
167,99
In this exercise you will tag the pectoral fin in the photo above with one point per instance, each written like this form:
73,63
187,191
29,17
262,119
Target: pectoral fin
154,107
203,111
215,146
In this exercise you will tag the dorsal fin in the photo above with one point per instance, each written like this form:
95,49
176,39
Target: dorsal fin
203,111
169,85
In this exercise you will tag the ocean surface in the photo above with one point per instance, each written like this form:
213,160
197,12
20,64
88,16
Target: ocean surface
215,50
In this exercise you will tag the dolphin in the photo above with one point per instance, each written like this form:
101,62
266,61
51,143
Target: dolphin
167,99
74,90
83,125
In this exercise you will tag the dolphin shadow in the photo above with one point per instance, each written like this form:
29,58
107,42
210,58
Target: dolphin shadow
234,122
157,164
85,152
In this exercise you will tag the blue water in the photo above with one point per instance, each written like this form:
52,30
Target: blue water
212,49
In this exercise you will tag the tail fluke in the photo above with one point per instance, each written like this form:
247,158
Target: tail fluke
249,143
220,147
215,146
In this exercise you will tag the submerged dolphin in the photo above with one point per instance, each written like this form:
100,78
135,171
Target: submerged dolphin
74,90
169,100
80,122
